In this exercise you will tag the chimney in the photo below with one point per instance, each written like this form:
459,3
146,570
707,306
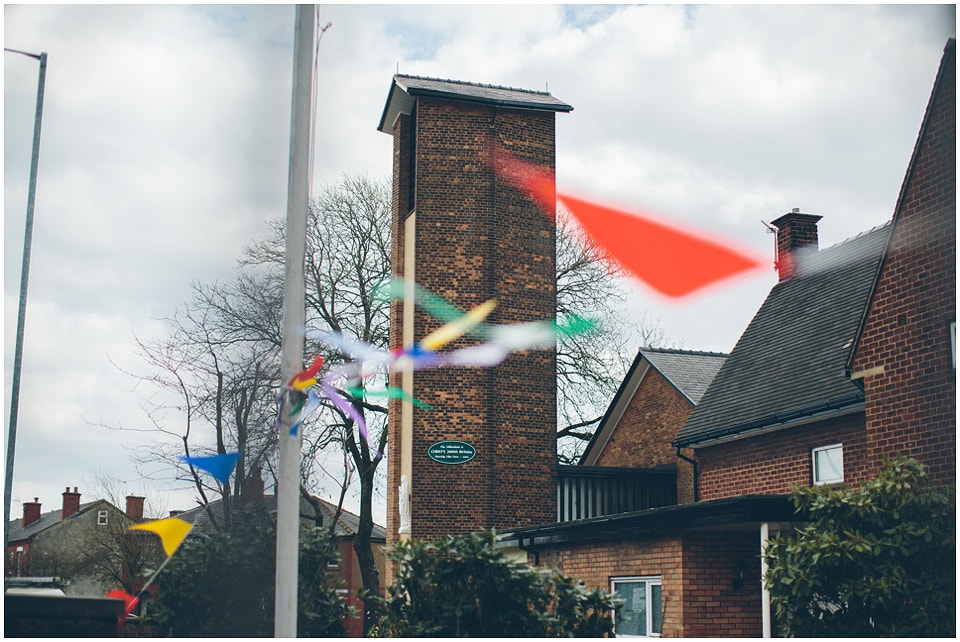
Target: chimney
71,503
135,508
31,511
252,491
796,235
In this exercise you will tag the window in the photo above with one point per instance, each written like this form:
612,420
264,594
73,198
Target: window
828,464
639,611
101,518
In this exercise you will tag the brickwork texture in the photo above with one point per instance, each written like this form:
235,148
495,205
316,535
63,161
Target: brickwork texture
477,239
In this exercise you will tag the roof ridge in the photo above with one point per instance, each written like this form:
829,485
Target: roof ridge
476,84
859,236
696,353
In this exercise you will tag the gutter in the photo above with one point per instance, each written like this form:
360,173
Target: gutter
705,515
851,402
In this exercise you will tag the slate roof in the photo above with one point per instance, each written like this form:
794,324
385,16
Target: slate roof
789,363
405,89
688,371
17,532
691,372
347,525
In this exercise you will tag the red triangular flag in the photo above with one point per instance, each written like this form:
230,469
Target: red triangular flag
671,261
129,602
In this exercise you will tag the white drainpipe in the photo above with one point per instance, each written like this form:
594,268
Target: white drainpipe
765,594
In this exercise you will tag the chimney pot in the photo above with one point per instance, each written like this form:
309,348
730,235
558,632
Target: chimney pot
796,235
135,508
71,503
251,491
31,511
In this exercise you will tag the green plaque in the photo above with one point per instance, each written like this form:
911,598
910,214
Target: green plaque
451,452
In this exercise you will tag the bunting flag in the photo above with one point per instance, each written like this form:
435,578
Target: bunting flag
672,261
129,602
348,409
519,336
390,392
310,406
303,380
500,341
172,532
220,466
434,305
458,327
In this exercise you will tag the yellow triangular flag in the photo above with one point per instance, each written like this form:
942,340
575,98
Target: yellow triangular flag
172,532
453,330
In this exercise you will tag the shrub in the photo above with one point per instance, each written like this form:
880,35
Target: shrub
222,584
878,560
465,587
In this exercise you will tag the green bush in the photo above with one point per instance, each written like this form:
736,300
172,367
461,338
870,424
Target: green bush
222,584
465,587
878,560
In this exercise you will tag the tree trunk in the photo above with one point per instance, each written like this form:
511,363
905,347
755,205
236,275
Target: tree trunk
364,547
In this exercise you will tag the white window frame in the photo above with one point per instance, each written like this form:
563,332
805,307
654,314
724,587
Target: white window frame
818,479
102,518
649,581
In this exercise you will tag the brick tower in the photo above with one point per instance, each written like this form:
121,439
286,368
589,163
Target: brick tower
464,235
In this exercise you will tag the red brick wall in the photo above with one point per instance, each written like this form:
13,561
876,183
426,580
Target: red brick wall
696,570
911,405
478,239
11,565
653,417
712,606
770,463
597,562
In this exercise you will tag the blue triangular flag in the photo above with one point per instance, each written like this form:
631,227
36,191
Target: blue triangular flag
310,406
220,466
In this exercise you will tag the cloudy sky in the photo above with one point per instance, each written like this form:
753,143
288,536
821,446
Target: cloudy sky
166,131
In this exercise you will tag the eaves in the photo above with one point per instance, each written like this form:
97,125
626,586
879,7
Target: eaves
846,405
743,512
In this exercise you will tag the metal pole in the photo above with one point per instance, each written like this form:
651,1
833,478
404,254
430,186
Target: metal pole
298,192
24,277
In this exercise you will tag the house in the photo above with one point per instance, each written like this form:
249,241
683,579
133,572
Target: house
851,357
58,543
321,513
656,397
782,393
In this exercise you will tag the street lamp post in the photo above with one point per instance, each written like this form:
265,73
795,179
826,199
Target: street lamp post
24,277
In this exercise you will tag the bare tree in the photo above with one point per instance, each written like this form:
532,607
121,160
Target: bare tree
220,359
591,366
216,372
347,258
